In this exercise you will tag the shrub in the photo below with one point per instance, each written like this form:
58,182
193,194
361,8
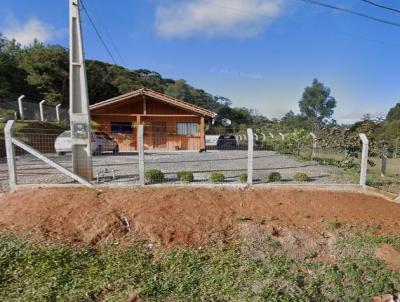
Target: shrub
274,176
185,176
300,176
243,177
153,176
216,177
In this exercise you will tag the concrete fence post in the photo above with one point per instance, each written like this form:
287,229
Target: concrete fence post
384,161
41,110
396,148
256,137
271,135
250,147
364,159
140,147
10,151
58,113
21,107
282,136
314,145
264,137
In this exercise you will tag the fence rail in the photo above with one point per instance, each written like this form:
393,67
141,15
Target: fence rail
154,154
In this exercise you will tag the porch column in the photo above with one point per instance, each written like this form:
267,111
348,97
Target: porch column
202,134
138,121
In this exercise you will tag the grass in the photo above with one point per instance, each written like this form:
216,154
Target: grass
37,271
334,224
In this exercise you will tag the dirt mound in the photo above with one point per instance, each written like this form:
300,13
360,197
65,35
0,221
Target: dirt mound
190,216
390,255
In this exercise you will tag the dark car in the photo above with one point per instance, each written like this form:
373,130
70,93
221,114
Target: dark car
226,142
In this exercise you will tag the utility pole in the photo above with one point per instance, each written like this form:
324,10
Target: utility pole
78,98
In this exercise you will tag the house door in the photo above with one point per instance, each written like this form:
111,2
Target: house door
159,134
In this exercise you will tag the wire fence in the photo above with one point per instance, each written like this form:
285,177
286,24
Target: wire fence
184,154
30,110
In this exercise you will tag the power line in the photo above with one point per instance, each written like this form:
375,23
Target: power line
98,33
111,40
382,6
319,3
265,15
349,11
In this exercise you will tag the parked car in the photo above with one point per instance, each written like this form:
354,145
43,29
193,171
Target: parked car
99,142
226,142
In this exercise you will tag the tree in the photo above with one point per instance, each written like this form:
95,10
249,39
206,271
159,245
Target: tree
47,70
394,113
317,104
12,79
294,121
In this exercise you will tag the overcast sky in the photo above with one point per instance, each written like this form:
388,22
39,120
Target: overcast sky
259,53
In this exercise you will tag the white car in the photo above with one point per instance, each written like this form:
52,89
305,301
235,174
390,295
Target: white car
99,142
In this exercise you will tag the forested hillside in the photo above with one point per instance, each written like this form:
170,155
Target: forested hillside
42,72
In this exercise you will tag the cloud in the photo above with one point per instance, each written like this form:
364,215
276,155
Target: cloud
26,32
239,18
358,115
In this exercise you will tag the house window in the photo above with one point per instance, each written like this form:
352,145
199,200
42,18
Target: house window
121,127
187,129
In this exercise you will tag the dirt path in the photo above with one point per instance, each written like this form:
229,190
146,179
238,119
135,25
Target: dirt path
189,216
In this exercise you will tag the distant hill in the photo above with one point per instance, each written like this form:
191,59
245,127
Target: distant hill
42,72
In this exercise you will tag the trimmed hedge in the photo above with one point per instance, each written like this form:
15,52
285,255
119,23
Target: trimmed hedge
300,176
153,176
185,176
273,177
216,177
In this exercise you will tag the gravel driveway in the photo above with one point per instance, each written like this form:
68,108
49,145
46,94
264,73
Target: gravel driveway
232,163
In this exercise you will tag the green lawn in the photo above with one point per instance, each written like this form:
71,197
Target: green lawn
37,271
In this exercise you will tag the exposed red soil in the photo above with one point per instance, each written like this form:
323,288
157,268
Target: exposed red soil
189,216
390,255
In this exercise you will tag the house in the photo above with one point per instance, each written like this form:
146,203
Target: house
169,123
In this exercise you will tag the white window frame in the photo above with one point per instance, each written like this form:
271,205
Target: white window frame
188,128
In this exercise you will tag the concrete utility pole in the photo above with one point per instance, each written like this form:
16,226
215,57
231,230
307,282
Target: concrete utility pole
79,99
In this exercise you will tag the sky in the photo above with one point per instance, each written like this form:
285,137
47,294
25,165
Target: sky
261,54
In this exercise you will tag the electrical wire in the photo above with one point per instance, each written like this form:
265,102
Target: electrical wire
107,32
382,6
98,33
319,3
353,12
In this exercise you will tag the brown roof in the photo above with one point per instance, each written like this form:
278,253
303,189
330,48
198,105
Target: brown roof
158,96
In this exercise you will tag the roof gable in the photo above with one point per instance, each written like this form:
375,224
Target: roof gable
155,95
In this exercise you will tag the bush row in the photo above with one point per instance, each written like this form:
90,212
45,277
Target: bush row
157,176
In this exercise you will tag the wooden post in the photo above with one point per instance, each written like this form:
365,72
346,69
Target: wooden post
202,134
250,156
12,171
140,134
364,160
